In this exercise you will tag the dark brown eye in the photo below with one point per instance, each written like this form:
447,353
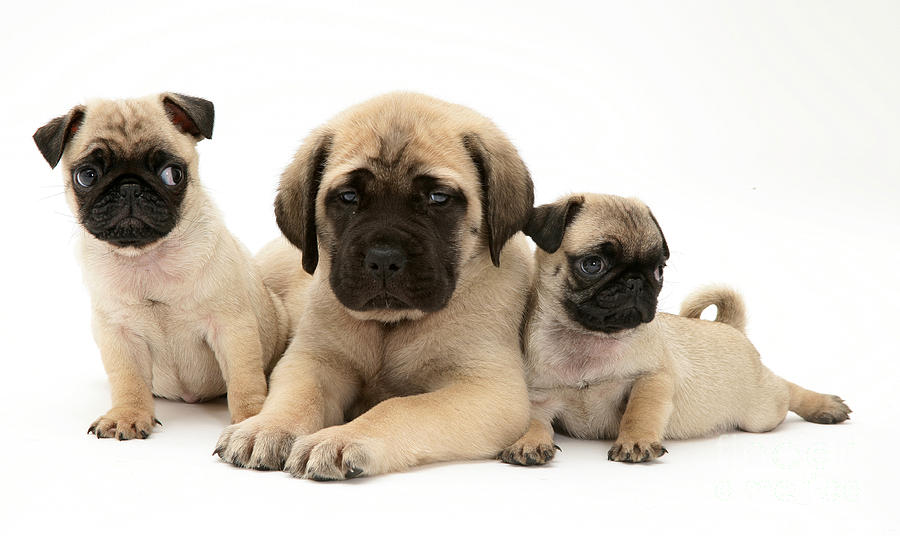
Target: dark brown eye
87,176
348,196
171,175
438,198
658,273
591,265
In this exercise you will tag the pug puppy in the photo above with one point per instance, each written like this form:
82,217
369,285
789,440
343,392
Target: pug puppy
179,308
407,298
602,364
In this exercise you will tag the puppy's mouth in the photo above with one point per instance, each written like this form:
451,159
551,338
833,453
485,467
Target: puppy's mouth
129,231
385,301
376,278
613,321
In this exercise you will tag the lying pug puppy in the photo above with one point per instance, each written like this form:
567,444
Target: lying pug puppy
602,364
408,296
179,308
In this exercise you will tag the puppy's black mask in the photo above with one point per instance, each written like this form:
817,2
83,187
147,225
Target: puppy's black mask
129,202
394,249
620,295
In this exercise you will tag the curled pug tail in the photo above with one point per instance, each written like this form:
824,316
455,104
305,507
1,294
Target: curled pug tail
729,305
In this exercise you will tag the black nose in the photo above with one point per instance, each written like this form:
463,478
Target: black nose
130,190
384,262
634,284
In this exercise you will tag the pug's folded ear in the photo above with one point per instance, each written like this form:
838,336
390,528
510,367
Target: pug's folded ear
51,139
507,190
295,204
548,223
191,115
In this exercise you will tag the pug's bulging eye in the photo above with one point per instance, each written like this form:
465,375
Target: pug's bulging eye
658,273
87,176
171,175
591,265
348,196
438,198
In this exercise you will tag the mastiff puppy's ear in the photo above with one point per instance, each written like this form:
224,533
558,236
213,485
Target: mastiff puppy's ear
295,204
51,139
191,115
507,190
548,223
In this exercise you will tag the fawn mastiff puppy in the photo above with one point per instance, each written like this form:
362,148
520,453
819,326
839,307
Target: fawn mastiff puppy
408,306
601,363
179,308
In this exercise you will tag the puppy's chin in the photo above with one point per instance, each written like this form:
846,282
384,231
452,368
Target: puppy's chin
129,247
132,251
388,316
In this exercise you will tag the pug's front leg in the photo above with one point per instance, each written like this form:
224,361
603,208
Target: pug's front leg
238,350
127,361
536,447
644,422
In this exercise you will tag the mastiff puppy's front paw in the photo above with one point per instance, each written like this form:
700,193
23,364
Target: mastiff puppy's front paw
330,454
636,451
256,443
124,424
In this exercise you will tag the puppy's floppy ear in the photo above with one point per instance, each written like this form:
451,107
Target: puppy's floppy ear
295,204
507,190
51,139
192,115
548,223
665,244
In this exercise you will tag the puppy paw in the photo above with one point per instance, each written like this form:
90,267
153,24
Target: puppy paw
245,408
256,443
831,410
528,452
636,451
330,454
124,424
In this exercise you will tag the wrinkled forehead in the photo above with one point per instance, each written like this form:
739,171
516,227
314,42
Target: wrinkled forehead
628,226
395,157
126,129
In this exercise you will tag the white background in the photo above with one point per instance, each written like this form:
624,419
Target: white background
764,135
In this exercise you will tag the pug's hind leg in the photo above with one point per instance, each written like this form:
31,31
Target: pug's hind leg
536,447
648,410
817,407
768,406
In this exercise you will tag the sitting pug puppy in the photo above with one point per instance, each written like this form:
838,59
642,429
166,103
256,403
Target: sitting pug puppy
407,298
179,308
602,364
